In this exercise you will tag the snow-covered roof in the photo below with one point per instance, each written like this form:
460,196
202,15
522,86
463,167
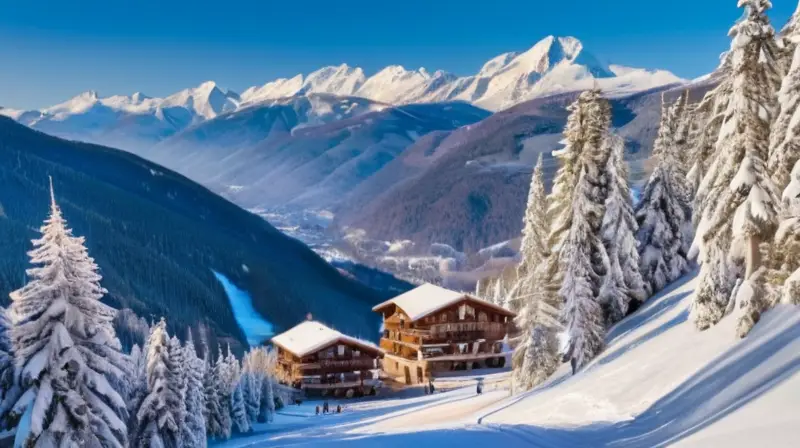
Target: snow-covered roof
310,336
426,299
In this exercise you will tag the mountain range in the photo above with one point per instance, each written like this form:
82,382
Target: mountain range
553,65
400,155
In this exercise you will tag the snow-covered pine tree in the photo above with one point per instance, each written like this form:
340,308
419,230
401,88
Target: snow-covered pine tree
741,209
251,391
582,256
536,356
711,112
9,390
662,214
253,385
214,411
158,416
268,394
64,346
624,283
138,390
239,417
786,44
533,249
786,248
178,379
785,135
194,427
684,116
238,408
222,374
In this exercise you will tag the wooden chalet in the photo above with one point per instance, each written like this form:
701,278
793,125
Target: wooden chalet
323,361
431,329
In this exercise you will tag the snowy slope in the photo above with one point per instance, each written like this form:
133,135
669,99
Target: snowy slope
660,382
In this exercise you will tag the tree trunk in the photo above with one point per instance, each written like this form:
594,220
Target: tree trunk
753,260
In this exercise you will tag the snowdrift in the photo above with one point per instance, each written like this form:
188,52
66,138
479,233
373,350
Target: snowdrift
660,382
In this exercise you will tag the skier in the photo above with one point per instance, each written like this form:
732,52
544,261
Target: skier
317,409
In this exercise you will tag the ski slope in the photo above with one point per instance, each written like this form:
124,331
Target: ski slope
660,382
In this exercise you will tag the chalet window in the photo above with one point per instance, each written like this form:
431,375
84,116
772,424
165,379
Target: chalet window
462,312
356,353
482,317
443,318
341,350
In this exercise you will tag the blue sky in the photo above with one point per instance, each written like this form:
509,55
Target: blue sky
53,50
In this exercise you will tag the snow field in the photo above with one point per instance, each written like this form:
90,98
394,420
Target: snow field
659,382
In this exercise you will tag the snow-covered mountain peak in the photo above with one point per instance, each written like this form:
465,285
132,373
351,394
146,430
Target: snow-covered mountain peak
491,67
76,104
206,100
338,80
139,97
551,51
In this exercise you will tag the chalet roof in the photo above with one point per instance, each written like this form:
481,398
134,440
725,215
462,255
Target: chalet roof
426,299
310,336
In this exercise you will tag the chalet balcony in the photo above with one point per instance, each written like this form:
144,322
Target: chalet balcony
446,332
346,380
349,364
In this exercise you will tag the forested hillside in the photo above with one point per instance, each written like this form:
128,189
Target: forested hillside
157,236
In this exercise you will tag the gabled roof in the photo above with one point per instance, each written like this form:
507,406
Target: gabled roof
310,336
426,299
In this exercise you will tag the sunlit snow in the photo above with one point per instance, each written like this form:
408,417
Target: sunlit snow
256,328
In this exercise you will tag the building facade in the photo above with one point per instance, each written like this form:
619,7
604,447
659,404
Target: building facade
432,329
321,361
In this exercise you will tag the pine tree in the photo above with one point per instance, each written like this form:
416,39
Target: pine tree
194,426
710,114
222,375
624,283
559,202
685,133
238,408
786,45
9,389
786,248
741,208
214,413
178,383
535,230
158,416
65,348
785,135
536,356
251,391
138,386
582,256
662,214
